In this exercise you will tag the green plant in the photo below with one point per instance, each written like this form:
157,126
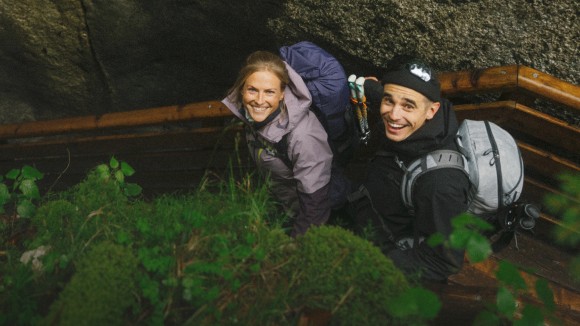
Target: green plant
567,205
467,234
118,170
214,256
24,191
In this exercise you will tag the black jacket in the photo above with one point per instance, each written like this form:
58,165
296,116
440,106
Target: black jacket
438,196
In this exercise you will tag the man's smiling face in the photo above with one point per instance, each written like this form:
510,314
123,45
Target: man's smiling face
404,111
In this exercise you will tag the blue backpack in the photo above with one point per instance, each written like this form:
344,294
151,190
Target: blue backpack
328,85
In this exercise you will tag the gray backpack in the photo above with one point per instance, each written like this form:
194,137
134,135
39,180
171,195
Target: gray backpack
491,159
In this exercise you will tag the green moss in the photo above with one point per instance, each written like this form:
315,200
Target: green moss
101,290
59,217
336,271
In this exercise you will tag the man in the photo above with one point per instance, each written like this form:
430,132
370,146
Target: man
416,121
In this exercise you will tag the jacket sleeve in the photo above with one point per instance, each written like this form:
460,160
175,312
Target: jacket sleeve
312,167
311,155
438,198
314,210
374,94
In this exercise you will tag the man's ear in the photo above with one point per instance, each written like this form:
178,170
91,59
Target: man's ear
433,109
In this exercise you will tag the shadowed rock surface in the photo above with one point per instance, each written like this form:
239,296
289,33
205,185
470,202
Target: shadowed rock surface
77,57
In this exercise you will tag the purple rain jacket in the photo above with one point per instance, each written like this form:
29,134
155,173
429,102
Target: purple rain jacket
303,188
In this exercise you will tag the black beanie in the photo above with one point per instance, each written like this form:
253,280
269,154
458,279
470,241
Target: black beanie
417,77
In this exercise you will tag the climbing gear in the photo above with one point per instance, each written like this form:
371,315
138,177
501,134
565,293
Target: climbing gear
358,99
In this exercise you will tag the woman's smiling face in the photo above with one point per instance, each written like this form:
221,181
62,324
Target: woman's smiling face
261,94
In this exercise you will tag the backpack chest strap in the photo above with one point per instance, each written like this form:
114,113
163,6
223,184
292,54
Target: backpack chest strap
440,159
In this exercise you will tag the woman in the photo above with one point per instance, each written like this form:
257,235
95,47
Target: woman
273,101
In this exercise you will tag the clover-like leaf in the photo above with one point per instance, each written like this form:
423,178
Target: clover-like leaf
127,169
29,172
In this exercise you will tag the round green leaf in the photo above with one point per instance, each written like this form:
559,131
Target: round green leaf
13,174
415,301
132,189
545,294
114,163
506,303
127,169
478,248
509,275
531,316
103,171
29,172
25,209
119,176
459,238
29,189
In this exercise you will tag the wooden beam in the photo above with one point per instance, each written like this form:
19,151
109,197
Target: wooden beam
492,111
479,80
136,118
549,87
510,79
546,128
535,124
545,163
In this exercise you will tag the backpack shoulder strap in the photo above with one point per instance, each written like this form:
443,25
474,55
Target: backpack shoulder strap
435,160
279,149
282,150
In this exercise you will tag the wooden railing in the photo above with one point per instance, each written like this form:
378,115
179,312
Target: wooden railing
117,120
508,79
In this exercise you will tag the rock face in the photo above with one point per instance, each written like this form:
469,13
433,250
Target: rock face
77,57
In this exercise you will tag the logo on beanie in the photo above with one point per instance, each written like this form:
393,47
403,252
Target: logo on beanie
420,72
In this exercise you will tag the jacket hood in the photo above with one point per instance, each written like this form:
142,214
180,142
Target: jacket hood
436,133
297,99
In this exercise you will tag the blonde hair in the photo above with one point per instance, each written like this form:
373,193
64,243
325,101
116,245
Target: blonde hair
259,61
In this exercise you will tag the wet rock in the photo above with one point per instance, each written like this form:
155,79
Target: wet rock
68,57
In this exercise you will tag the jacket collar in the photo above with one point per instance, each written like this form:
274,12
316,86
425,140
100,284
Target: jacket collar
436,133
